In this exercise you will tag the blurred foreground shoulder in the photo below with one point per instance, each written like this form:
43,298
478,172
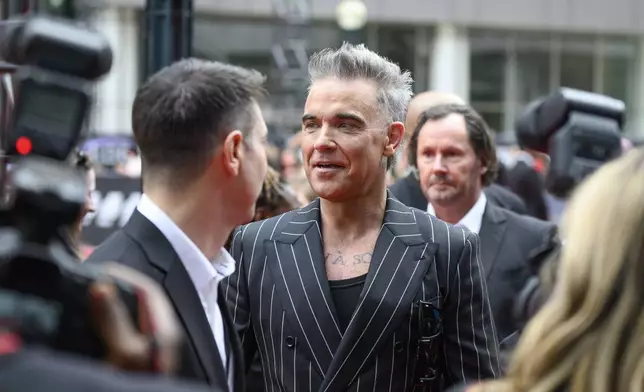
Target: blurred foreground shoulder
61,372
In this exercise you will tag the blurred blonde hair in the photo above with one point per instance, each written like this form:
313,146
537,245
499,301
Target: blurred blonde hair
589,336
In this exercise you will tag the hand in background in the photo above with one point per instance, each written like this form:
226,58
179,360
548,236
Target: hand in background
153,344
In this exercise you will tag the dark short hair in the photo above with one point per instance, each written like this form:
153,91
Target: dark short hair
181,113
477,130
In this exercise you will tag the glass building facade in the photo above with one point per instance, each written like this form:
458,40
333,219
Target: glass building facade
507,69
510,69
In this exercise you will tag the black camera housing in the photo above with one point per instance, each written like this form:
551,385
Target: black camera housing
578,130
59,60
44,289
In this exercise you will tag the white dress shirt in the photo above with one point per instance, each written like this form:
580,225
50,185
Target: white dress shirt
205,274
473,220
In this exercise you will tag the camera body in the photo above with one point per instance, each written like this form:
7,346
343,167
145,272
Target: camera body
578,130
44,289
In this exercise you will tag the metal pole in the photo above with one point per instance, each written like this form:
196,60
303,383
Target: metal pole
169,27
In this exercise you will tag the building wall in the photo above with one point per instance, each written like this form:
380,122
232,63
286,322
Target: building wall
616,16
473,52
619,16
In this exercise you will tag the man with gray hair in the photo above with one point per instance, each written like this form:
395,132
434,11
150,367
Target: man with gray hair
356,291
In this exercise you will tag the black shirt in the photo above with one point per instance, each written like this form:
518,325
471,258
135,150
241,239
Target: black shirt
346,294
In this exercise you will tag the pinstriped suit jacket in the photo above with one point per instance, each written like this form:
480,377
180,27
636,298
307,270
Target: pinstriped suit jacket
281,304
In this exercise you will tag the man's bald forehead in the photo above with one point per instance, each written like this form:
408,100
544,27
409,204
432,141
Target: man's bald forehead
434,98
426,100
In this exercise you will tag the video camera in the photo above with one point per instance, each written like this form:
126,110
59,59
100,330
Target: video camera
44,289
578,130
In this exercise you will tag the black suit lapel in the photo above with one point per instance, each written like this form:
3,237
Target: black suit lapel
400,260
301,283
182,294
491,234
232,339
416,197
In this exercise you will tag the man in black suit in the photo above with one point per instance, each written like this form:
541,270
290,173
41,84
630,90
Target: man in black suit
455,156
356,291
201,135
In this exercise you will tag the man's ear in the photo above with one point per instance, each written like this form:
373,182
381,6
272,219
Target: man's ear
484,165
395,134
233,151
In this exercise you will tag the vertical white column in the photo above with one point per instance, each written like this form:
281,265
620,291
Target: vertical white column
636,110
115,92
450,70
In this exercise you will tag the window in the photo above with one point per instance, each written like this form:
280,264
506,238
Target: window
577,63
508,70
619,57
534,71
488,60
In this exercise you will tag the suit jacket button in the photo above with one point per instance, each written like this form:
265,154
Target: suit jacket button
290,341
398,347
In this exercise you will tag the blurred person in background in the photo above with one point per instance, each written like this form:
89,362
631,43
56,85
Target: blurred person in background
131,167
407,189
526,179
302,187
589,335
419,103
202,138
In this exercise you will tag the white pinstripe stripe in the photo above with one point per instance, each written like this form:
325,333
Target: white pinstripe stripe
304,222
449,259
458,314
375,376
399,212
261,327
485,299
270,328
478,359
243,231
307,211
232,246
282,350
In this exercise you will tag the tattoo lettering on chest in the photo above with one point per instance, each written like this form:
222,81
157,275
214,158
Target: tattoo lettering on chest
337,258
362,258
